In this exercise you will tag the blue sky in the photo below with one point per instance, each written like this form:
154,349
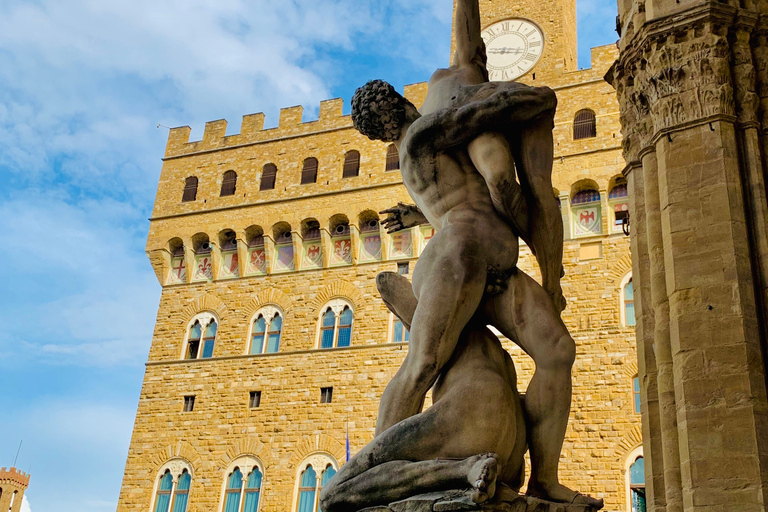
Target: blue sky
83,85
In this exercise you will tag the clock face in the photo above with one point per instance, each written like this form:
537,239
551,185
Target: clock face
513,47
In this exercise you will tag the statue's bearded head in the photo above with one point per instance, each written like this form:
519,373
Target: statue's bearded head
379,111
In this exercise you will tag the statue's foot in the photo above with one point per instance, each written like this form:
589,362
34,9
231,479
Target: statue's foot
482,477
559,493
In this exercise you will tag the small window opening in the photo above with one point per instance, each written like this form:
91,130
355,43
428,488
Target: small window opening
393,158
404,268
190,189
229,184
189,403
268,177
584,125
351,164
326,395
255,400
309,173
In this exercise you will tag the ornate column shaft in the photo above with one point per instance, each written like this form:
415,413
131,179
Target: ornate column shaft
686,83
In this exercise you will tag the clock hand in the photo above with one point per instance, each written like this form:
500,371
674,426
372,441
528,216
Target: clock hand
504,51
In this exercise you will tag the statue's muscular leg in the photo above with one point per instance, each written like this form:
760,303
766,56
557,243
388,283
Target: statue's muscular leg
532,147
525,314
448,281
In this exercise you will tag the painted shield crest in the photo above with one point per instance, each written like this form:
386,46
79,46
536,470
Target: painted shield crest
372,247
401,244
587,220
258,261
342,251
285,257
313,256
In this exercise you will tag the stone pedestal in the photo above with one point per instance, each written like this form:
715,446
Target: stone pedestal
691,78
460,500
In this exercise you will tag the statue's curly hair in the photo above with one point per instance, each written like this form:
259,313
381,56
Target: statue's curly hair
378,111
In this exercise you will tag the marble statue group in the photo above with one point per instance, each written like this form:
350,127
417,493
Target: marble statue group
477,162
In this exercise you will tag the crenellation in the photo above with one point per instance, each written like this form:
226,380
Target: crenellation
331,110
290,118
251,126
214,133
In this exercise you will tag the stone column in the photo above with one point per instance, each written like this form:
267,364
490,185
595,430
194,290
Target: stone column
646,361
686,79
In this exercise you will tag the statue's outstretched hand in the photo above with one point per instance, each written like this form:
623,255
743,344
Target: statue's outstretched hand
402,216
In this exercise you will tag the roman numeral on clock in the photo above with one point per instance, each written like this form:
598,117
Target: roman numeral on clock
533,44
531,57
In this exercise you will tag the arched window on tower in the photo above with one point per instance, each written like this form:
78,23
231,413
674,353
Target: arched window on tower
266,330
201,337
228,184
172,489
637,485
309,172
242,485
336,319
268,177
584,125
628,302
190,189
307,489
393,158
314,475
351,164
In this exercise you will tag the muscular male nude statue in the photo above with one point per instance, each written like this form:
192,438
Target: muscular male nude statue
472,242
456,443
529,207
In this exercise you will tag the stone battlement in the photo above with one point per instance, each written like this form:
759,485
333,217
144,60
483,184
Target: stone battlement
290,125
14,476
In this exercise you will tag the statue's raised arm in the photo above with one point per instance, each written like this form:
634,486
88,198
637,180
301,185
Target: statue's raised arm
470,48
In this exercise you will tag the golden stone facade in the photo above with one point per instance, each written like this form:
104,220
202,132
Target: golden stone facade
192,247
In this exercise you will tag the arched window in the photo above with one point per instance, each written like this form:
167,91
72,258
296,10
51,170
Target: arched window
228,184
628,302
313,476
400,333
266,329
584,125
309,173
327,329
637,484
587,213
351,164
336,324
190,189
268,177
393,158
234,489
181,494
172,487
163,499
201,337
242,485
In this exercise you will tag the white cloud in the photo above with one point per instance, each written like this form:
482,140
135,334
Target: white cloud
25,505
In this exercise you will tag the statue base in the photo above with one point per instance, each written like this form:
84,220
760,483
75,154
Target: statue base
460,500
